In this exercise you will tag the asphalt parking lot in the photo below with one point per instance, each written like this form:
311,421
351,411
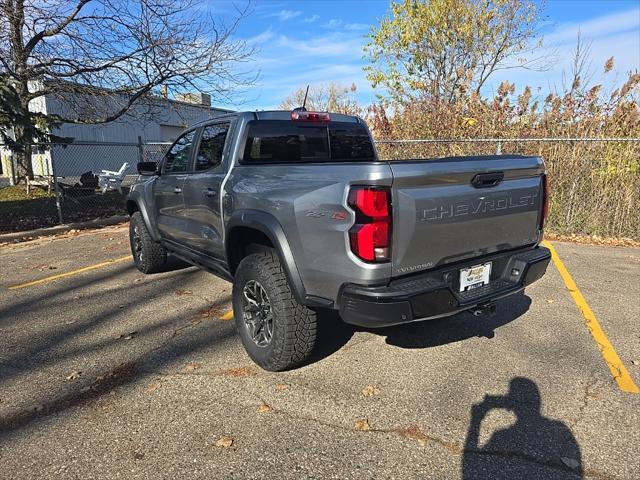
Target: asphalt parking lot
108,373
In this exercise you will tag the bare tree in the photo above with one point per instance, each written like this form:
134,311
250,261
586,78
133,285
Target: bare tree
103,57
331,97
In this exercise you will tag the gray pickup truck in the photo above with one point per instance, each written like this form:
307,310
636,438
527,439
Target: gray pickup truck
296,209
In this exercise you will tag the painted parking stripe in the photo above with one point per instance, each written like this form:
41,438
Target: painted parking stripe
70,273
611,358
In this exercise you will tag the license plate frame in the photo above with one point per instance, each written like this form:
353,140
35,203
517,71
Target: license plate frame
475,276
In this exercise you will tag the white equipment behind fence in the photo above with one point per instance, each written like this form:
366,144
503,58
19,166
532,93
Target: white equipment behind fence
109,180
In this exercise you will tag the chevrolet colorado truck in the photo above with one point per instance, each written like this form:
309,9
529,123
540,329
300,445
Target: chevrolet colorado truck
296,209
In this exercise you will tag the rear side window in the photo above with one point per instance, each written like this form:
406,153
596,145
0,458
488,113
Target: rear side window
283,141
211,146
350,141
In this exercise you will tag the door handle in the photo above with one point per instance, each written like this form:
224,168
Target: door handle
209,192
177,190
484,180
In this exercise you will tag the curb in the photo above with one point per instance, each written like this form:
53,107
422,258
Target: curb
44,232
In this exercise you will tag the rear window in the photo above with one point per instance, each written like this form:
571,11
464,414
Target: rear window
284,141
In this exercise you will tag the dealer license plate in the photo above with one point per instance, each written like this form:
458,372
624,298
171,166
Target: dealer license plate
474,277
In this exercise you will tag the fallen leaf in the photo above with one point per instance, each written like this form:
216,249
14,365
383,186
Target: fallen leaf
282,386
210,312
73,375
223,442
414,433
181,292
192,366
572,463
362,425
370,391
153,386
264,408
237,372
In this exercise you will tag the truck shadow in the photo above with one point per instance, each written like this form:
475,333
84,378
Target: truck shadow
433,333
333,333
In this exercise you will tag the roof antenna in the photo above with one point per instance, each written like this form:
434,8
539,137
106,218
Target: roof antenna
304,102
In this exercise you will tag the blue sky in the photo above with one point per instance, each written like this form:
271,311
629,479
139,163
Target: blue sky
309,41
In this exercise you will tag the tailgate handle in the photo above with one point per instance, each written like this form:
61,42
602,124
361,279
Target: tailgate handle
484,180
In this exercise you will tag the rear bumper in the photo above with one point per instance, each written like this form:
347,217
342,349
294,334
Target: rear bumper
435,294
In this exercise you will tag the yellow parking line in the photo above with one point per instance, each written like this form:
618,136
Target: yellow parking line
72,272
611,358
227,316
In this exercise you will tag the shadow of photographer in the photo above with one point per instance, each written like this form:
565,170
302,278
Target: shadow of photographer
533,447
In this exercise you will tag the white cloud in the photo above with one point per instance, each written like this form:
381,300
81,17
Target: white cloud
616,35
333,23
357,26
598,27
284,15
261,38
311,19
287,62
346,47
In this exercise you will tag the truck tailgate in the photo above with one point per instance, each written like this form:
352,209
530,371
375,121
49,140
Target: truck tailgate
446,210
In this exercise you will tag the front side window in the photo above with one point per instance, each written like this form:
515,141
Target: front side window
177,159
211,146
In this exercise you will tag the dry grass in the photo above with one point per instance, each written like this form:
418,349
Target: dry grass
595,186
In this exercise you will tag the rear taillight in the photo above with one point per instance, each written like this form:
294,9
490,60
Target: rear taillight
370,236
545,200
304,116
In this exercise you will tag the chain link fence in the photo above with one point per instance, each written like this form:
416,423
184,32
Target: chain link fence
595,182
73,182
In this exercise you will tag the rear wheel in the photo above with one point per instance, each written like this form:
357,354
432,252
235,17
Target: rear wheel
277,332
148,255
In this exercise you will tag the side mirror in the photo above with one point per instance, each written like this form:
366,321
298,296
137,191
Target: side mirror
148,168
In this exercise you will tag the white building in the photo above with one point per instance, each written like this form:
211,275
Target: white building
155,119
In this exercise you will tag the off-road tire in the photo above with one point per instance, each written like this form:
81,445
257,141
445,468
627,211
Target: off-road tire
294,325
153,256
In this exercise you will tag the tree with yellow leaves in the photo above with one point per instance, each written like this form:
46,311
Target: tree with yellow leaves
445,49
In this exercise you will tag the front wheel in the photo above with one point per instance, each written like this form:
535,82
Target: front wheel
148,255
277,332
